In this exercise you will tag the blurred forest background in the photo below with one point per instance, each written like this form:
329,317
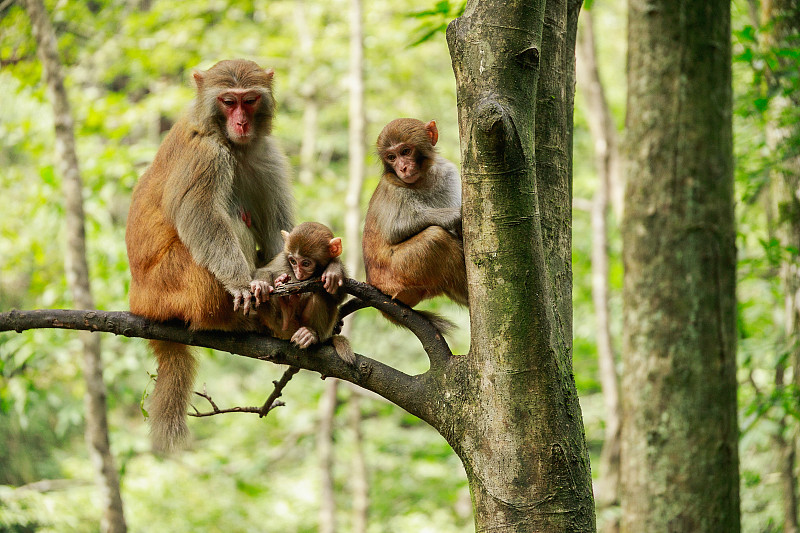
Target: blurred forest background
128,65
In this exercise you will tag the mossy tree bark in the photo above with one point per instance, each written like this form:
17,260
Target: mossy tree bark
514,414
680,437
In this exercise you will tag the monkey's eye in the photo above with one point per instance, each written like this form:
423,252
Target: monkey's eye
406,151
391,157
306,263
228,102
251,101
292,261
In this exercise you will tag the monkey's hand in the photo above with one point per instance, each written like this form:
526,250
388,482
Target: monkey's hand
260,289
305,337
333,277
283,278
241,298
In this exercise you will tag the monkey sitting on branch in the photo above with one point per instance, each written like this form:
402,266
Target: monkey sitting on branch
412,242
307,318
211,204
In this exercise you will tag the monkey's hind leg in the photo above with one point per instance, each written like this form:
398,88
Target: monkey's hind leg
426,265
170,399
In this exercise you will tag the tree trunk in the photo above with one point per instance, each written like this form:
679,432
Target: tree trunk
308,144
785,443
356,146
516,421
606,155
77,271
327,504
357,155
352,219
598,114
360,483
679,436
308,92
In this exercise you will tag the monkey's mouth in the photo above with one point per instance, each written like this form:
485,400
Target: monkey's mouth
410,178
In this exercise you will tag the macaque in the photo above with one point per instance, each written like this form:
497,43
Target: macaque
308,318
412,244
211,204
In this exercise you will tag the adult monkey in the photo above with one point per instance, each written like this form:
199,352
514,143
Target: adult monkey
203,216
412,241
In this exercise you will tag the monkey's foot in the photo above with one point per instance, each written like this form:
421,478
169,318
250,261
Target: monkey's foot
304,337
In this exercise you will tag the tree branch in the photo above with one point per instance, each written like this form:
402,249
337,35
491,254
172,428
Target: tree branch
215,410
271,403
368,296
400,388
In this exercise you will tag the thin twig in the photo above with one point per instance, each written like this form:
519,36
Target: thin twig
217,411
272,402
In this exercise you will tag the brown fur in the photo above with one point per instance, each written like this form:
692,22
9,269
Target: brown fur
190,246
412,132
412,232
315,310
426,265
311,239
176,370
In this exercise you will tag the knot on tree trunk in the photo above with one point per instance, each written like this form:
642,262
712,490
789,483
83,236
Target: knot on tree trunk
529,58
496,138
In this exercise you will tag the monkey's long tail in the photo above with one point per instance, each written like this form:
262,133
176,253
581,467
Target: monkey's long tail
441,323
170,399
343,348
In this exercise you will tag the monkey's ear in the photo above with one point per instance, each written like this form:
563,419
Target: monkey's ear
335,247
433,133
198,78
270,73
285,235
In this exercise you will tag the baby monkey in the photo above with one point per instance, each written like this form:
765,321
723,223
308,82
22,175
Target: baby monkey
310,317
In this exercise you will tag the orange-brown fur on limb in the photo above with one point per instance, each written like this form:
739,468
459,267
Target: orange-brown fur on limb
211,204
428,264
412,241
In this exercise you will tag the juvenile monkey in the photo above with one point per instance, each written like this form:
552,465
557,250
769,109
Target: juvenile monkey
213,201
412,241
308,318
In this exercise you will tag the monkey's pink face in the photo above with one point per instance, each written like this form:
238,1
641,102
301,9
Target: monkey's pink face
303,267
403,160
239,107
